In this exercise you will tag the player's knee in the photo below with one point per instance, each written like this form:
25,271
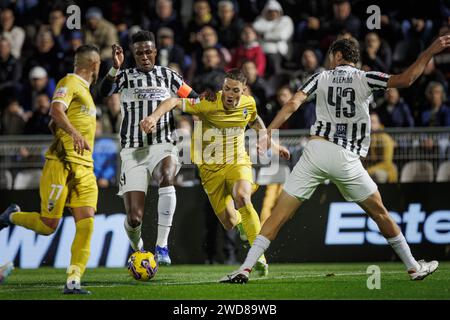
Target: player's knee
167,178
242,198
228,225
135,217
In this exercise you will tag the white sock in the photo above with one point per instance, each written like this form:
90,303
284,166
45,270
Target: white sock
134,234
166,208
402,249
260,245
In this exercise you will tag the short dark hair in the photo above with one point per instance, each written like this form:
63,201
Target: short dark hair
348,48
142,35
87,48
236,74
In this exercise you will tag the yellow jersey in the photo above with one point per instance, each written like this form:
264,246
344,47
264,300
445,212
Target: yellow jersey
218,139
73,92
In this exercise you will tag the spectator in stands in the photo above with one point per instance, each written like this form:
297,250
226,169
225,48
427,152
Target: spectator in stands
283,94
229,24
168,51
442,60
13,119
101,33
380,158
38,83
343,19
376,54
207,39
46,55
309,66
213,73
75,41
249,49
61,35
416,93
202,17
275,30
394,111
166,17
437,113
111,115
256,87
38,123
10,73
309,30
15,34
105,157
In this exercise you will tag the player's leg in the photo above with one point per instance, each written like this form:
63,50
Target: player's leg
82,201
165,172
273,191
374,207
134,202
133,185
355,184
53,192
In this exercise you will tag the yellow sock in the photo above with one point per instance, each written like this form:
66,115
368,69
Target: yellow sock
32,221
81,245
250,222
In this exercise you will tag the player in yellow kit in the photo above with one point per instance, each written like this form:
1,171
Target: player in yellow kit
68,178
219,152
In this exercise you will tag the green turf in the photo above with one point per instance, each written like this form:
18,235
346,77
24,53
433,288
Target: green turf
285,281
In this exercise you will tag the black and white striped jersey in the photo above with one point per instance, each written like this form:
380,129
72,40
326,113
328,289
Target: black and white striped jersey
140,94
342,105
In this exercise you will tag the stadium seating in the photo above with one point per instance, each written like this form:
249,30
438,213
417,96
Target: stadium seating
6,179
443,173
417,171
27,179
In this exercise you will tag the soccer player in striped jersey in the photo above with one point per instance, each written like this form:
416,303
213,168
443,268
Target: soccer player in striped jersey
146,156
338,138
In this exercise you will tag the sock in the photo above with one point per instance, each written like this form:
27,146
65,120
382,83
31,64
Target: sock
166,208
81,245
402,249
134,234
250,222
32,221
260,245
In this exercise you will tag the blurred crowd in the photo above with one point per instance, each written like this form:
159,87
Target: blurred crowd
278,44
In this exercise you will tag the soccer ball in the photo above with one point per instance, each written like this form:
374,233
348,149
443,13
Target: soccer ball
142,265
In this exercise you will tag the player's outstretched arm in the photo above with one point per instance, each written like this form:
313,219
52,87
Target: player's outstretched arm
407,77
288,109
107,85
58,115
148,124
265,141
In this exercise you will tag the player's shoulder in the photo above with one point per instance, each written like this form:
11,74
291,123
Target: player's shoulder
167,70
247,100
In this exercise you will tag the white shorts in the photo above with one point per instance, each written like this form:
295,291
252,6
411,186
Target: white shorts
322,160
138,165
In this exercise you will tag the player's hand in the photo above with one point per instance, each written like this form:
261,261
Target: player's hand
209,95
148,124
117,55
284,152
264,141
440,44
79,143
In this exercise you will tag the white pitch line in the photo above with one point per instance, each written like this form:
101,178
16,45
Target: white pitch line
321,275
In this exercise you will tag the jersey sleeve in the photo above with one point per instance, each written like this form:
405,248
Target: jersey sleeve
253,110
191,106
178,86
64,93
310,86
120,81
377,80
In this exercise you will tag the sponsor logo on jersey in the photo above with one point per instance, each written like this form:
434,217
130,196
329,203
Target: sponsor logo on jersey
61,92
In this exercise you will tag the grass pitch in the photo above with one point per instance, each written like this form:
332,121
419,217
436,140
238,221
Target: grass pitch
199,282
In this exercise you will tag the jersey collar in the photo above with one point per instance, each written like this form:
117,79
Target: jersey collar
345,65
83,80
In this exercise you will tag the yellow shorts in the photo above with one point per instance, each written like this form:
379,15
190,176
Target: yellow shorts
66,184
219,184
